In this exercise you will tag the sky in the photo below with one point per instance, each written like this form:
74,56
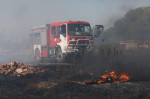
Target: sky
18,16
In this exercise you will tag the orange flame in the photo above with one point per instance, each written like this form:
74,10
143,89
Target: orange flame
111,77
124,77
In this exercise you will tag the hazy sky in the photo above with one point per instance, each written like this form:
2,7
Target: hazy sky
18,16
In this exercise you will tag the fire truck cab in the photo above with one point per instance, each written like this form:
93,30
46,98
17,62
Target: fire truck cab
59,39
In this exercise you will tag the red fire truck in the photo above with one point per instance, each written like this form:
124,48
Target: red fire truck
56,40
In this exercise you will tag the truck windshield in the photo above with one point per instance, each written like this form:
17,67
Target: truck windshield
79,29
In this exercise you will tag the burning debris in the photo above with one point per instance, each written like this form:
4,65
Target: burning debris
109,77
18,69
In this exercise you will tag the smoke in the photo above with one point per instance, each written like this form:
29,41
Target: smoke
18,17
110,57
117,9
132,26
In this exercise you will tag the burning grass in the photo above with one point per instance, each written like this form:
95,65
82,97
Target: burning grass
110,77
110,57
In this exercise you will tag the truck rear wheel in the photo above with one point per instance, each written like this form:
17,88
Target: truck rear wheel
38,56
60,57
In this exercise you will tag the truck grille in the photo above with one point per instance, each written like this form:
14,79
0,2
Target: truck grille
83,43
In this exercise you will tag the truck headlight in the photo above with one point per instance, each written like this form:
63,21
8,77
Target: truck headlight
72,38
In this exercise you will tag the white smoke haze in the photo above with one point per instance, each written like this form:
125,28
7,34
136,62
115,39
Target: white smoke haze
18,16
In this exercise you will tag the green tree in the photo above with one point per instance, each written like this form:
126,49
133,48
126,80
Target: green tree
135,25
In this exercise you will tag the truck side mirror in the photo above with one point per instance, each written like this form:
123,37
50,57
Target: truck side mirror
63,30
97,30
